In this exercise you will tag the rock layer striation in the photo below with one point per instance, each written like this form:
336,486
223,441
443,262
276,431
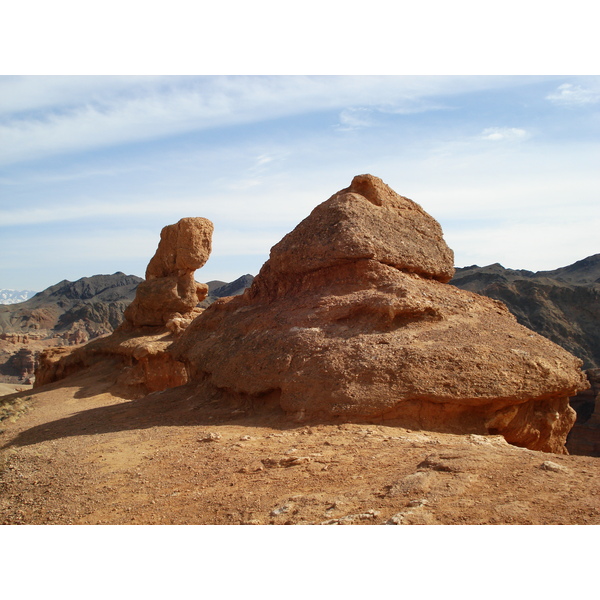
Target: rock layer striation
351,318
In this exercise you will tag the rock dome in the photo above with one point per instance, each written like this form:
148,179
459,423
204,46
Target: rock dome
351,318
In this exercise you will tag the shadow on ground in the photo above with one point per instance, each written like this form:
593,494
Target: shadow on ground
182,406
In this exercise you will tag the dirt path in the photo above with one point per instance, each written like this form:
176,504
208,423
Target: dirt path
78,454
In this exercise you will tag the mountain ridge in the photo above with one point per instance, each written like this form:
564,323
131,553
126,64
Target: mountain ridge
562,304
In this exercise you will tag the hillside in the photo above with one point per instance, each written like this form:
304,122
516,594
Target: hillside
221,289
97,302
71,313
66,314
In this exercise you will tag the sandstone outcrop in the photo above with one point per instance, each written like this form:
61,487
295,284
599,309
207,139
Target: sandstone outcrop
170,290
164,305
351,318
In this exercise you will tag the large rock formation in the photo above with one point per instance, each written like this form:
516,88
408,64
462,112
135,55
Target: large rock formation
351,318
165,303
562,305
170,289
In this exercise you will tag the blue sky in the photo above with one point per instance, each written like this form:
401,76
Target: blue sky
92,167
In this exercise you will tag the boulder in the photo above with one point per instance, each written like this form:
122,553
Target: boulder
351,319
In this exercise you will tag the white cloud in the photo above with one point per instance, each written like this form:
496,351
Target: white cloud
355,118
22,94
569,94
84,113
501,134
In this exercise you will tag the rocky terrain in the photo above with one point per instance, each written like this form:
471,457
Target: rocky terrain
79,454
71,314
352,318
349,384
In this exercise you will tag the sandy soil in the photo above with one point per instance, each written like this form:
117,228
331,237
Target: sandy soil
11,388
74,453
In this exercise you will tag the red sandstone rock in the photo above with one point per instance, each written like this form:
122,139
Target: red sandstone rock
170,287
165,303
350,319
367,220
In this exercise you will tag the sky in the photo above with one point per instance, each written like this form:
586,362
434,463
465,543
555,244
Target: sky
92,167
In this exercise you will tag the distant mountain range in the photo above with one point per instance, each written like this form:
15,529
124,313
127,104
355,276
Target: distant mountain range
562,305
221,289
97,303
15,296
94,303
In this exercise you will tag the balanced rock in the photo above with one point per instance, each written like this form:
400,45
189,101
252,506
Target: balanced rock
351,318
164,305
170,289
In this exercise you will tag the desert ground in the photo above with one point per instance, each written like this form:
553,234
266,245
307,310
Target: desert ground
76,452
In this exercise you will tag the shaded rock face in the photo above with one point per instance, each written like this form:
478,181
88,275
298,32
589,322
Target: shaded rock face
584,438
170,289
22,363
562,305
351,318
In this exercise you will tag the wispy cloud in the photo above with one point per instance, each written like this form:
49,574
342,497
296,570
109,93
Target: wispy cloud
496,161
569,94
78,114
355,118
503,134
19,95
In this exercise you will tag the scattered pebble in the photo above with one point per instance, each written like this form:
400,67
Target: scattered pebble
351,519
281,510
548,465
209,437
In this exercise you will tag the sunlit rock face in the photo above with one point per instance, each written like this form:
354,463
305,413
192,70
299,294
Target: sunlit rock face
351,318
170,289
164,305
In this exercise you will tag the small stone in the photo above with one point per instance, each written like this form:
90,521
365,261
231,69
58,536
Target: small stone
419,502
548,465
209,437
395,519
281,510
